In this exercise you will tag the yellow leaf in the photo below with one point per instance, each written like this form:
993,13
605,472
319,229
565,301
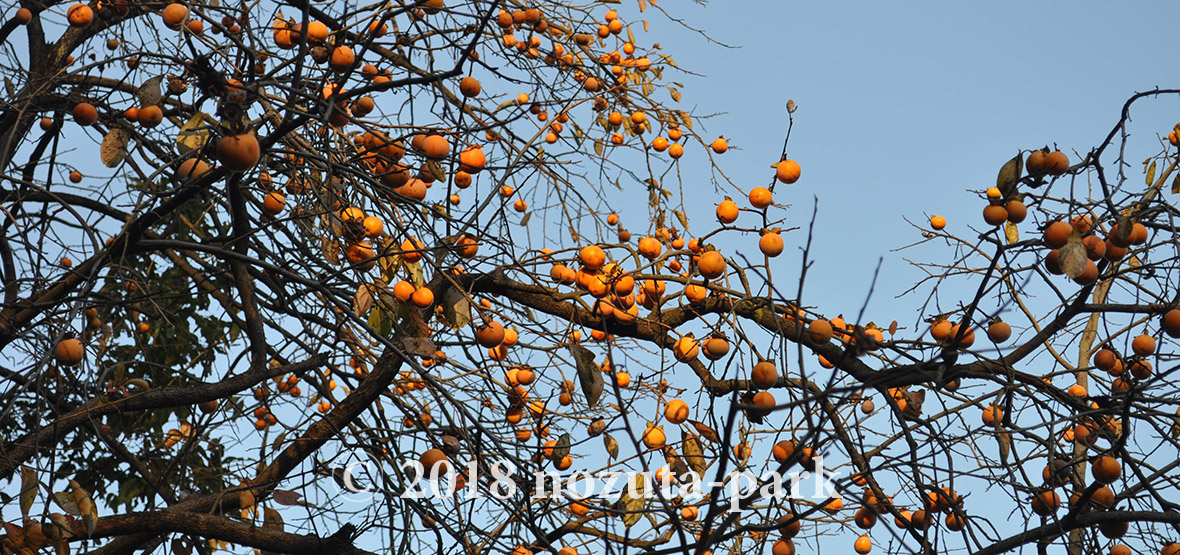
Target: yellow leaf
28,489
193,134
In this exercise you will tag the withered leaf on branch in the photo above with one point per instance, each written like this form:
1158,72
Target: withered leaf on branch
588,374
1072,257
114,147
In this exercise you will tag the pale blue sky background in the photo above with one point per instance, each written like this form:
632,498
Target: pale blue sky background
903,106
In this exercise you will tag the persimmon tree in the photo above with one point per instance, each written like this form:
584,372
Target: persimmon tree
260,258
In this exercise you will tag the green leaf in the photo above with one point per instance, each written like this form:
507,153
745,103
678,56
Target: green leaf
588,374
28,489
1151,173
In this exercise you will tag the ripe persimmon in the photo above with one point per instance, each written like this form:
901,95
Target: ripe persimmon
363,106
1017,211
317,31
937,223
436,147
940,329
650,247
490,334
592,257
1089,274
764,375
719,145
472,159
432,458
1035,163
80,15
274,202
69,351
422,298
412,250
192,168
85,113
23,16
676,411
654,437
1052,265
992,414
964,342
715,347
373,226
863,544
1171,323
174,15
470,87
711,264
761,197
1056,163
238,152
865,518
1106,469
787,171
1095,247
1143,345
999,332
995,214
149,116
727,211
764,400
771,244
1057,234
686,348
820,330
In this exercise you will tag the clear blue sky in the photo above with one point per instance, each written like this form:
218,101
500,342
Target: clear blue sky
903,106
